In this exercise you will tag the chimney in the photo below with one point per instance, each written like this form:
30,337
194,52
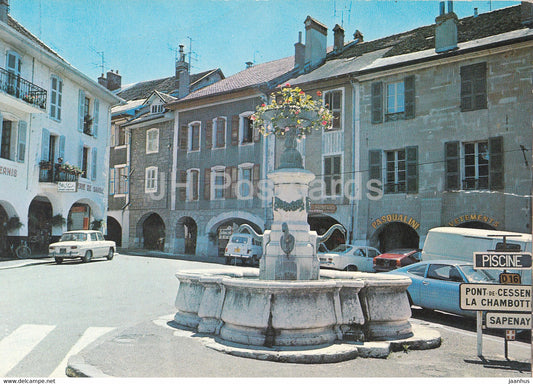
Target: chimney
338,38
475,12
182,75
526,11
358,36
315,42
102,81
299,52
114,80
249,64
446,29
4,10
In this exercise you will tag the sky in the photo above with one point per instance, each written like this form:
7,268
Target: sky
140,38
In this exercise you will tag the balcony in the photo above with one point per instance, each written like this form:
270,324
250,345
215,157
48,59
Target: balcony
22,89
52,173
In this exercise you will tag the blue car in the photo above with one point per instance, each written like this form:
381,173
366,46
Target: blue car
435,284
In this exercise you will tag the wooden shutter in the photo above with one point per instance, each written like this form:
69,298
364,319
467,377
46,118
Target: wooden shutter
409,97
377,102
474,87
480,86
94,161
374,165
183,185
21,145
256,177
412,169
45,145
496,165
234,174
235,129
112,181
183,136
61,153
256,132
451,155
207,184
81,109
209,134
96,117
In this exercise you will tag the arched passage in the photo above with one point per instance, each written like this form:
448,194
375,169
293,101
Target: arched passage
153,232
114,231
395,235
321,223
221,232
186,235
40,224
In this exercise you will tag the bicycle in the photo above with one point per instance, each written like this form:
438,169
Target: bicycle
22,251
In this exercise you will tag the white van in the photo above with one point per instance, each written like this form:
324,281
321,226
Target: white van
244,247
460,244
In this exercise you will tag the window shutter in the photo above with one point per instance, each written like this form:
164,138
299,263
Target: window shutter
256,177
112,181
480,86
451,155
183,135
45,145
235,130
81,109
96,114
80,158
183,188
412,169
21,147
409,89
496,174
377,103
207,184
61,152
94,159
209,134
234,180
256,132
374,165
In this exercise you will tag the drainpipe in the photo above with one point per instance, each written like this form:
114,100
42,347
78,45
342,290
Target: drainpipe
264,172
356,129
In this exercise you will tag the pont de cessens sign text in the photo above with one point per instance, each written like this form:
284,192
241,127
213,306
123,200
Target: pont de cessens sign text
494,297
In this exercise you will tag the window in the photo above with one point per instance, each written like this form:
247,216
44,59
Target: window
121,180
476,165
474,87
219,132
150,180
84,162
87,120
119,136
218,177
193,180
157,108
245,181
247,130
333,100
56,95
395,97
396,172
6,145
21,149
152,140
194,137
13,64
332,175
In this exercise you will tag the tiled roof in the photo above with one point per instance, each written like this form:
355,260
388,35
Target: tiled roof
166,85
256,75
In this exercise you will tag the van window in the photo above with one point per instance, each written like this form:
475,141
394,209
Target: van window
239,239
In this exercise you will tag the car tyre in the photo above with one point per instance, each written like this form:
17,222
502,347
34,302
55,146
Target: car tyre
110,254
59,260
350,268
88,256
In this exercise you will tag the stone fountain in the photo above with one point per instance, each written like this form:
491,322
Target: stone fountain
290,302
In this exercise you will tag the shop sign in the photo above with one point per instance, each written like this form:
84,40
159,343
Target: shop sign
67,186
8,171
322,208
396,217
225,233
474,217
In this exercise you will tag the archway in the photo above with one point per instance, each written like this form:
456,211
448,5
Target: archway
114,231
476,224
396,235
321,223
3,228
186,234
79,217
153,231
40,224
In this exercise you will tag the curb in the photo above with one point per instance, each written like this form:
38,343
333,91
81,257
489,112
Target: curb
77,367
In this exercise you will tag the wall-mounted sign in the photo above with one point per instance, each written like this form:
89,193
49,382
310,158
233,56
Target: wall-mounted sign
398,218
474,217
67,186
322,208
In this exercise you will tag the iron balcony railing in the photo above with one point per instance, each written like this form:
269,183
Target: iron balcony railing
52,173
22,89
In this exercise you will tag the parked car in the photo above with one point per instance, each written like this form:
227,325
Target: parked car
347,257
85,245
396,258
243,247
435,284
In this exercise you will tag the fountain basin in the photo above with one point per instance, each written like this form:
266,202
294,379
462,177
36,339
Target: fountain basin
341,306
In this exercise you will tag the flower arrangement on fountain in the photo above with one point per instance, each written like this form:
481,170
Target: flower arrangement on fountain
292,108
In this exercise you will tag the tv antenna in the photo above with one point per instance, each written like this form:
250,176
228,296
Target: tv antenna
347,9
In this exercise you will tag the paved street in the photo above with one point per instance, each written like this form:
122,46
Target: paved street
58,311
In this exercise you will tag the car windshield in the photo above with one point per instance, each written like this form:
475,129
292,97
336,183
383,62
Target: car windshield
239,240
76,236
474,276
342,248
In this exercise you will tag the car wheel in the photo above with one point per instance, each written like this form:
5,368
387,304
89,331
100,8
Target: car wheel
228,260
110,254
59,260
87,257
255,260
351,268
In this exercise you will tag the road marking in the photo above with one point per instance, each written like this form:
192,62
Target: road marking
14,347
90,335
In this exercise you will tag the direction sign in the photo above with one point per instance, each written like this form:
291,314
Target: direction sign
495,297
508,320
502,260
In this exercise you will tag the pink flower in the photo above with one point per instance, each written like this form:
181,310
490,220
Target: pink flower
252,117
324,122
287,85
296,112
263,105
302,93
318,93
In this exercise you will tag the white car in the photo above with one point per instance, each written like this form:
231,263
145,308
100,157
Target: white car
349,258
244,247
81,244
